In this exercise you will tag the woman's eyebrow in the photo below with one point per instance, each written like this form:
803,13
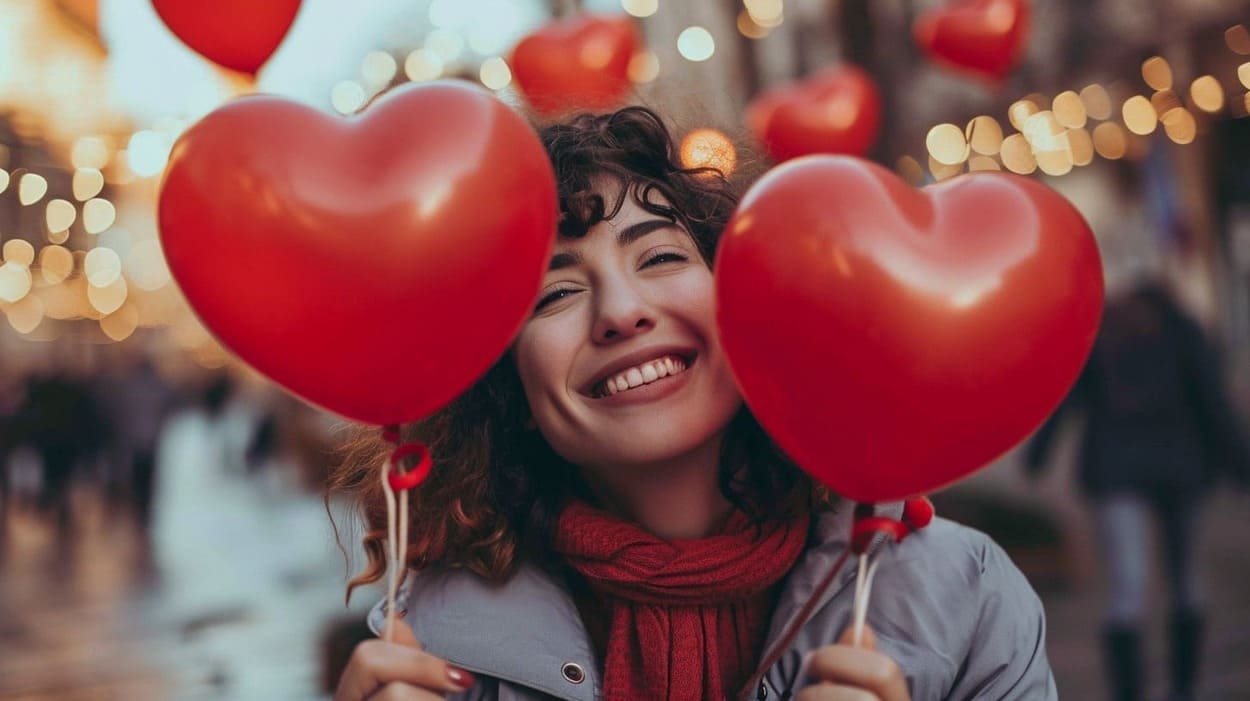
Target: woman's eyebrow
626,236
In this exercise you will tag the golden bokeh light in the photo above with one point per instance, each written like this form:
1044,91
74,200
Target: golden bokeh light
145,265
1180,126
766,13
1019,111
119,325
88,182
749,28
1157,73
1139,115
1207,94
55,264
640,8
347,96
98,215
1237,37
910,170
378,68
89,152
946,145
1017,155
1081,145
644,66
1243,74
26,314
422,65
1164,101
495,73
19,252
147,151
109,298
1096,100
985,135
1069,109
66,300
15,282
60,215
102,267
31,188
1110,141
977,163
58,237
4,180
1044,133
944,171
709,148
696,44
1055,162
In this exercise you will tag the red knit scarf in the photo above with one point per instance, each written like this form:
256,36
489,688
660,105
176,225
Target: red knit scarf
687,616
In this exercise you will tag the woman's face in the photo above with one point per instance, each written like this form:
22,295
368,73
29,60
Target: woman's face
620,360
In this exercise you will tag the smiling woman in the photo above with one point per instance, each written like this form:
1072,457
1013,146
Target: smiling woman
606,519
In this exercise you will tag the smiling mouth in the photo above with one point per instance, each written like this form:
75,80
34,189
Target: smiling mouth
642,375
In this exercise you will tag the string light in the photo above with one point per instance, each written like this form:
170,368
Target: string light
98,215
765,13
709,148
985,135
87,183
1139,115
31,188
946,145
423,64
1097,102
1110,141
1157,73
1069,109
749,28
1017,156
495,73
19,252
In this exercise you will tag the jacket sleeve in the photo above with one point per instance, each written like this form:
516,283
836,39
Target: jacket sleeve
1007,656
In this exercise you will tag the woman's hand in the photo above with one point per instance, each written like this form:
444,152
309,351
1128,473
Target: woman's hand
398,671
845,673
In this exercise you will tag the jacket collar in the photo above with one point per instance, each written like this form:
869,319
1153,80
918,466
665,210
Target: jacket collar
534,626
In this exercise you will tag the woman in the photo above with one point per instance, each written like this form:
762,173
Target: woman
607,520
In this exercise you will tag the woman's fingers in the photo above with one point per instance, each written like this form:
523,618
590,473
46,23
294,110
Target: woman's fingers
399,691
860,668
374,664
402,635
835,692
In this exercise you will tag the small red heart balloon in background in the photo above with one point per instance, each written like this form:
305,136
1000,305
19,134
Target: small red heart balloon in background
581,62
237,34
894,340
982,37
837,110
374,265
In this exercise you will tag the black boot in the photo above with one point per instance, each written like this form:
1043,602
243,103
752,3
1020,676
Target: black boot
1122,645
1185,628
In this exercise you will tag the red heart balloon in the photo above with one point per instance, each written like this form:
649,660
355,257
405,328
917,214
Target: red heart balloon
374,265
835,111
238,34
892,340
983,37
581,62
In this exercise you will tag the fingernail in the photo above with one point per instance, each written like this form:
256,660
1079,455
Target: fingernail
460,678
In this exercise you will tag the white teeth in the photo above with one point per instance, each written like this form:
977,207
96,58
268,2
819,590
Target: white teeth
643,374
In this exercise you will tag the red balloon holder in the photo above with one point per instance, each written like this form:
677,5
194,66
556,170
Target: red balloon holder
403,480
917,513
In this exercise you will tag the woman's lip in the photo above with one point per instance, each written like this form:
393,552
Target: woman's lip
649,392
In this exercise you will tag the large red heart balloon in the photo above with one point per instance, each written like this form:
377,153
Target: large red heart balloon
983,37
837,110
581,62
374,265
894,340
238,34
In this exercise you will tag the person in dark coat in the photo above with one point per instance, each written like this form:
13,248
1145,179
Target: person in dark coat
1159,432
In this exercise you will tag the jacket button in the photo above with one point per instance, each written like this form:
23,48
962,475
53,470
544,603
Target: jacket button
573,673
762,693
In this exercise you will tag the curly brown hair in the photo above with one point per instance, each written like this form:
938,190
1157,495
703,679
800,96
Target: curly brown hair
496,488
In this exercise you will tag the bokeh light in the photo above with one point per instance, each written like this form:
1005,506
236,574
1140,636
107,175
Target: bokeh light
495,73
423,64
1017,155
696,44
985,135
709,148
98,215
1157,73
1069,109
640,8
26,314
347,96
644,66
1110,141
102,266
1139,115
1096,100
60,215
147,152
31,188
19,252
55,264
87,183
15,282
946,144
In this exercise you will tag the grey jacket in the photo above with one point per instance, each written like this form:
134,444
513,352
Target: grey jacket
947,605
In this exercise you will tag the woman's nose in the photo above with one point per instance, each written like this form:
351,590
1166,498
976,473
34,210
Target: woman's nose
621,313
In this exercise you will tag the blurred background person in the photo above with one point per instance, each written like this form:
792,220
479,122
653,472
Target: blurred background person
1159,433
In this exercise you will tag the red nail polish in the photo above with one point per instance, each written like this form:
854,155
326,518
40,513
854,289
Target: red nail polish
460,678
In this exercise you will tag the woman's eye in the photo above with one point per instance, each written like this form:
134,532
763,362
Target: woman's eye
663,258
553,296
